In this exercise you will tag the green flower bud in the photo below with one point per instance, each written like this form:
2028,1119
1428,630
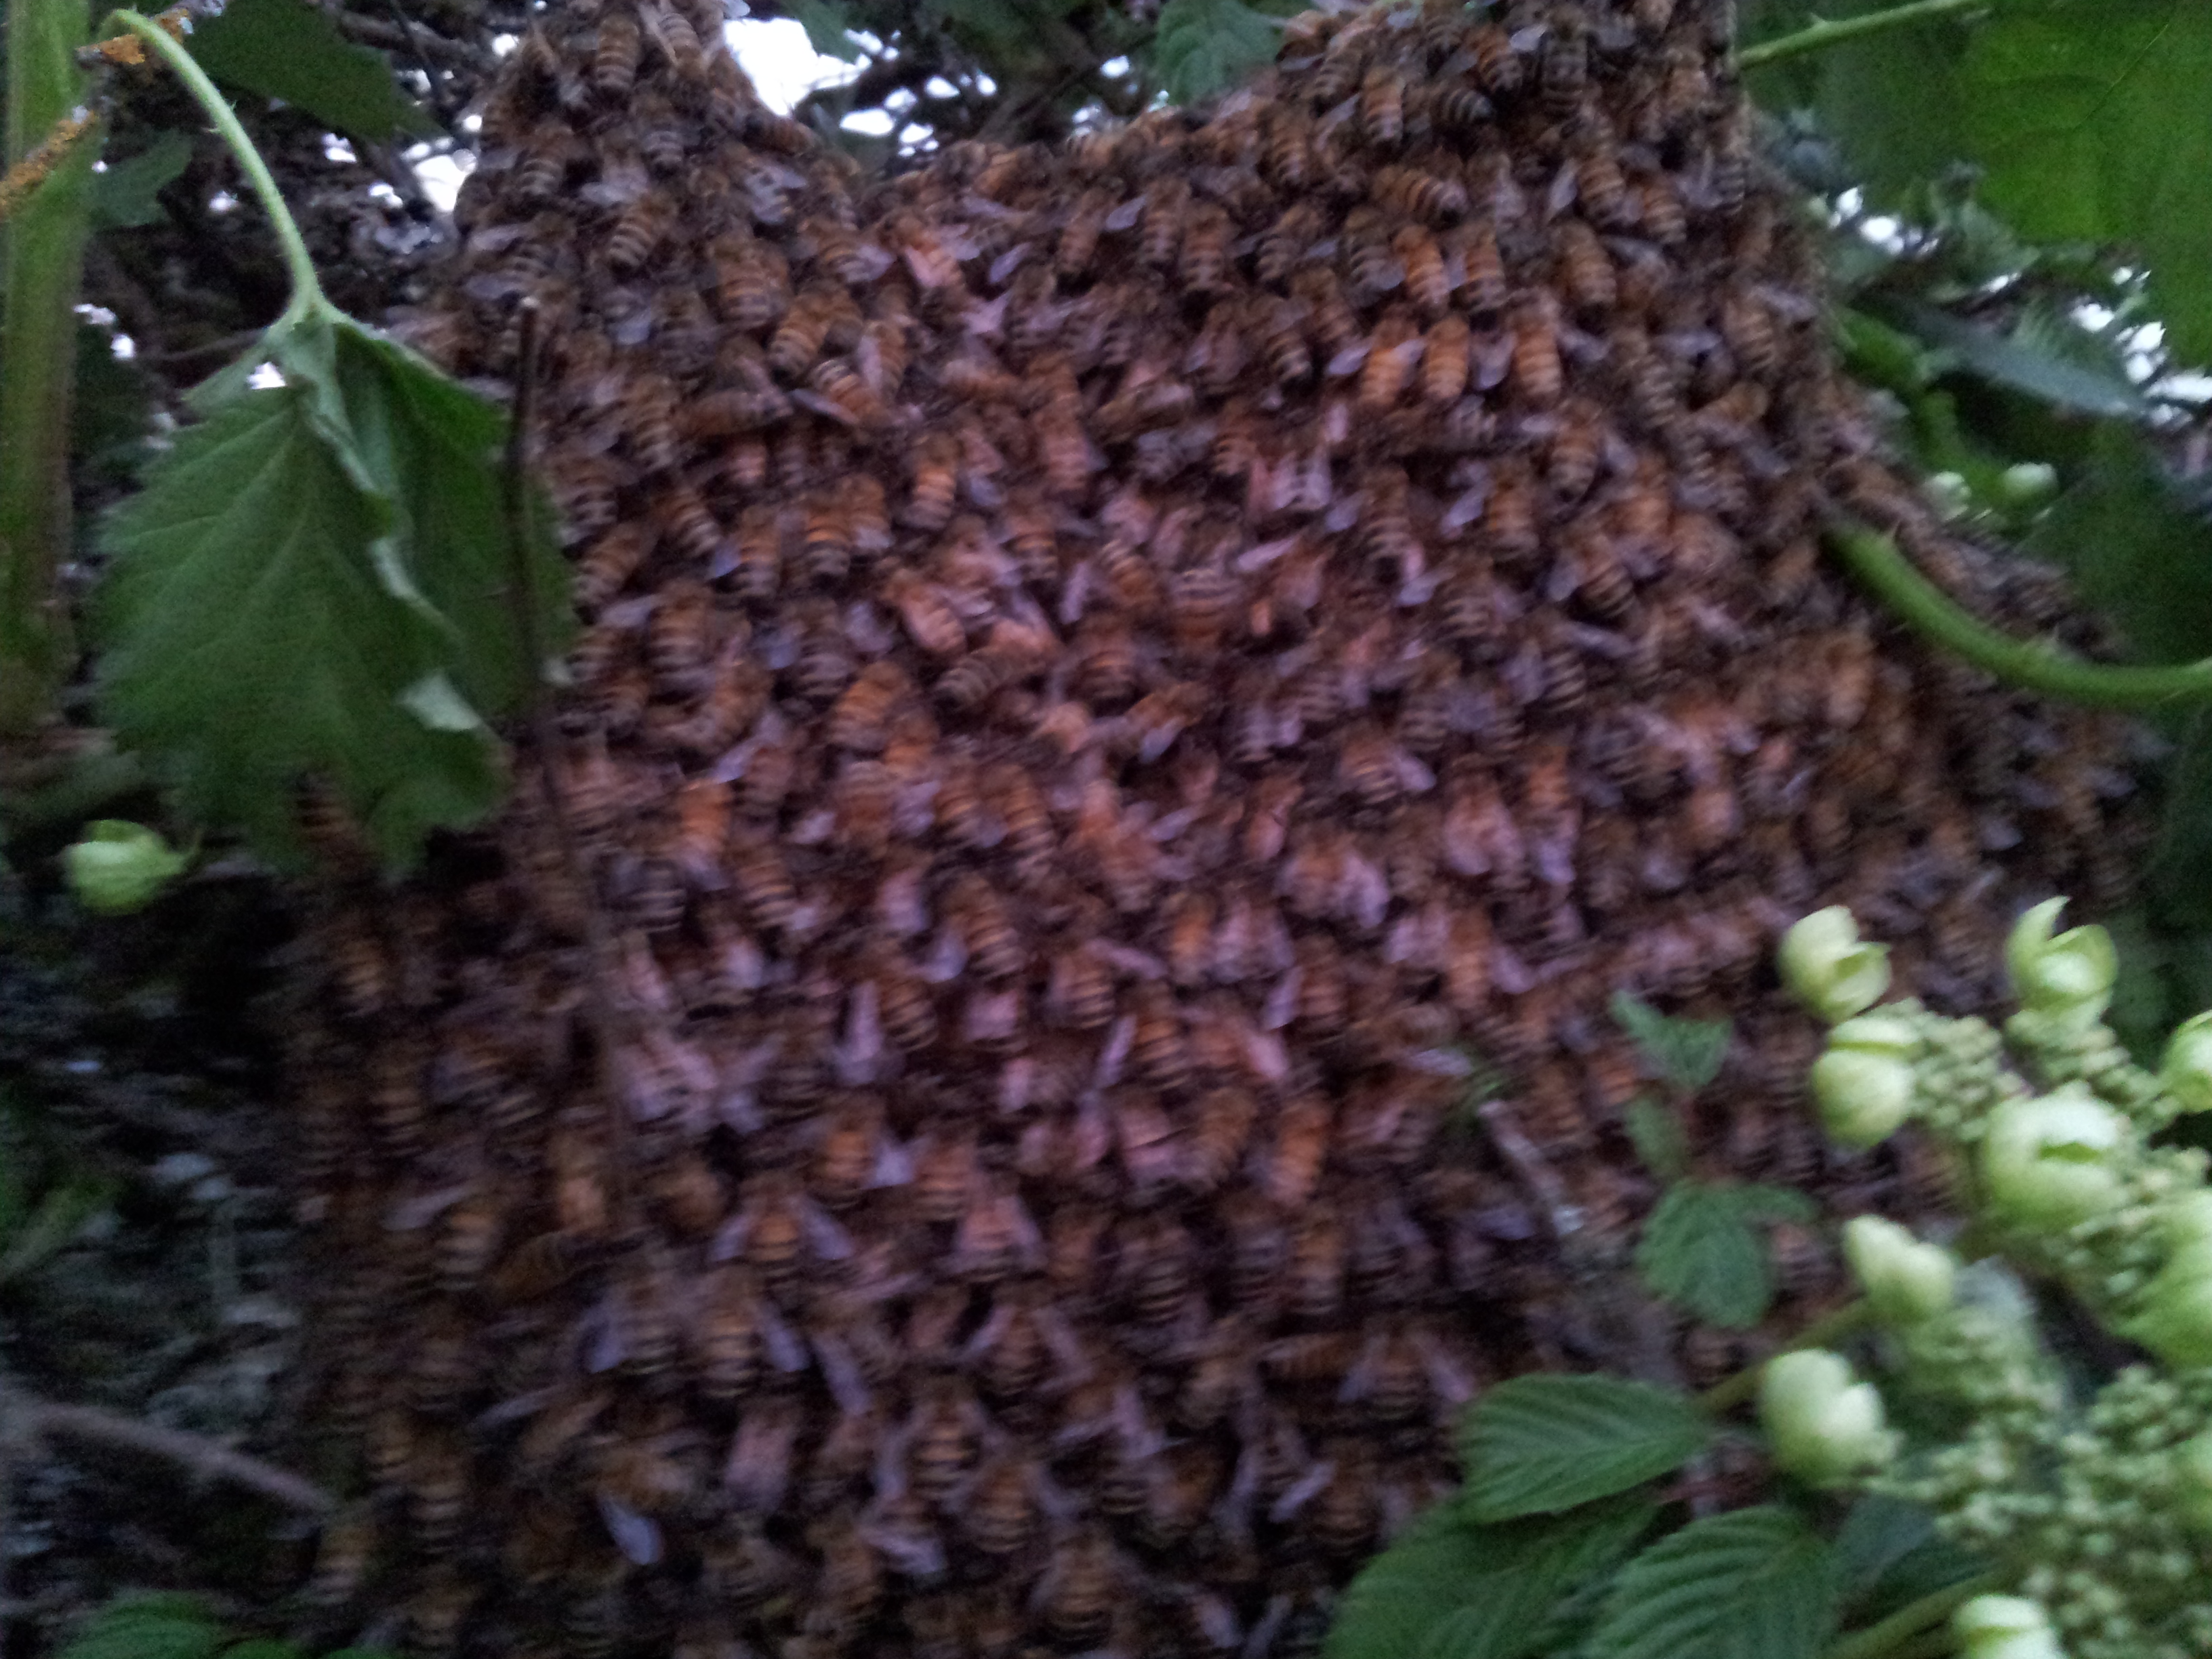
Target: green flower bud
1907,1281
2192,1491
2048,1160
2066,981
1864,1097
1889,1035
2005,1627
2186,1072
120,866
2027,483
1823,1426
2175,1320
1829,968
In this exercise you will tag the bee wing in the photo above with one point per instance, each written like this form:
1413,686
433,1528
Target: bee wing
637,1536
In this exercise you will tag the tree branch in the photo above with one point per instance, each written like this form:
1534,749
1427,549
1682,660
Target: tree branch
1820,36
2031,665
28,1418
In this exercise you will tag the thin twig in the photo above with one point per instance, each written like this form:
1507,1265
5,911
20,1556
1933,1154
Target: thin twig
32,1419
1820,36
545,737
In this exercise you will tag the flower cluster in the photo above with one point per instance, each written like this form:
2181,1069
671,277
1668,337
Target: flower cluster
2094,1504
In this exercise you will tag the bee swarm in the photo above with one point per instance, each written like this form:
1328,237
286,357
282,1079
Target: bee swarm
1104,671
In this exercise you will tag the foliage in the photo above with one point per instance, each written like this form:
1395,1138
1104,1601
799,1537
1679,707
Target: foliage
290,50
1205,46
171,1627
1702,1249
1540,1444
2021,1460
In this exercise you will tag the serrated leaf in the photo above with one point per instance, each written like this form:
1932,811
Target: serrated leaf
147,1627
1656,1133
829,30
1540,1444
2024,362
1686,1053
1205,46
1758,1583
1879,1532
1701,1252
290,50
432,447
1451,1589
124,193
254,630
2091,124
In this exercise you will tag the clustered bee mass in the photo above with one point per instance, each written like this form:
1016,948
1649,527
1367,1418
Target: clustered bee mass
1107,673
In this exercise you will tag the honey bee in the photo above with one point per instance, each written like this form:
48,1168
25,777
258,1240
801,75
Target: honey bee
637,232
1286,244
1748,325
1001,1510
924,608
1420,194
1535,370
1334,321
1485,286
1444,361
996,1236
615,56
1220,1132
762,883
1205,259
1291,1168
806,328
1393,351
438,1611
936,481
1078,236
1497,66
1383,106
1562,69
752,282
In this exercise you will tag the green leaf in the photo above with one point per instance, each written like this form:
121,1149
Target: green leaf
1892,99
1686,1053
829,30
2135,547
1701,1251
433,446
60,1216
1450,1589
2027,361
125,192
147,1627
256,629
2092,126
1879,1532
262,1647
1656,1133
1205,46
1758,1583
290,50
1540,1444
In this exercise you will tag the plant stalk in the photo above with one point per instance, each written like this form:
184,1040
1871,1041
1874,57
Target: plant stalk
1820,35
1725,1395
307,291
1888,1639
2028,664
38,352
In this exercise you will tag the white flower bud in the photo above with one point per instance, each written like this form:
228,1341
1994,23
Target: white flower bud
119,866
2174,1316
1822,1424
1829,968
1949,494
2005,1627
2066,981
2048,1160
1863,1097
2027,483
2186,1072
1907,1281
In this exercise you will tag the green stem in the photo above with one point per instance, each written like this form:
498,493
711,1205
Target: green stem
307,291
38,359
1820,36
1725,1395
2029,664
1889,1638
